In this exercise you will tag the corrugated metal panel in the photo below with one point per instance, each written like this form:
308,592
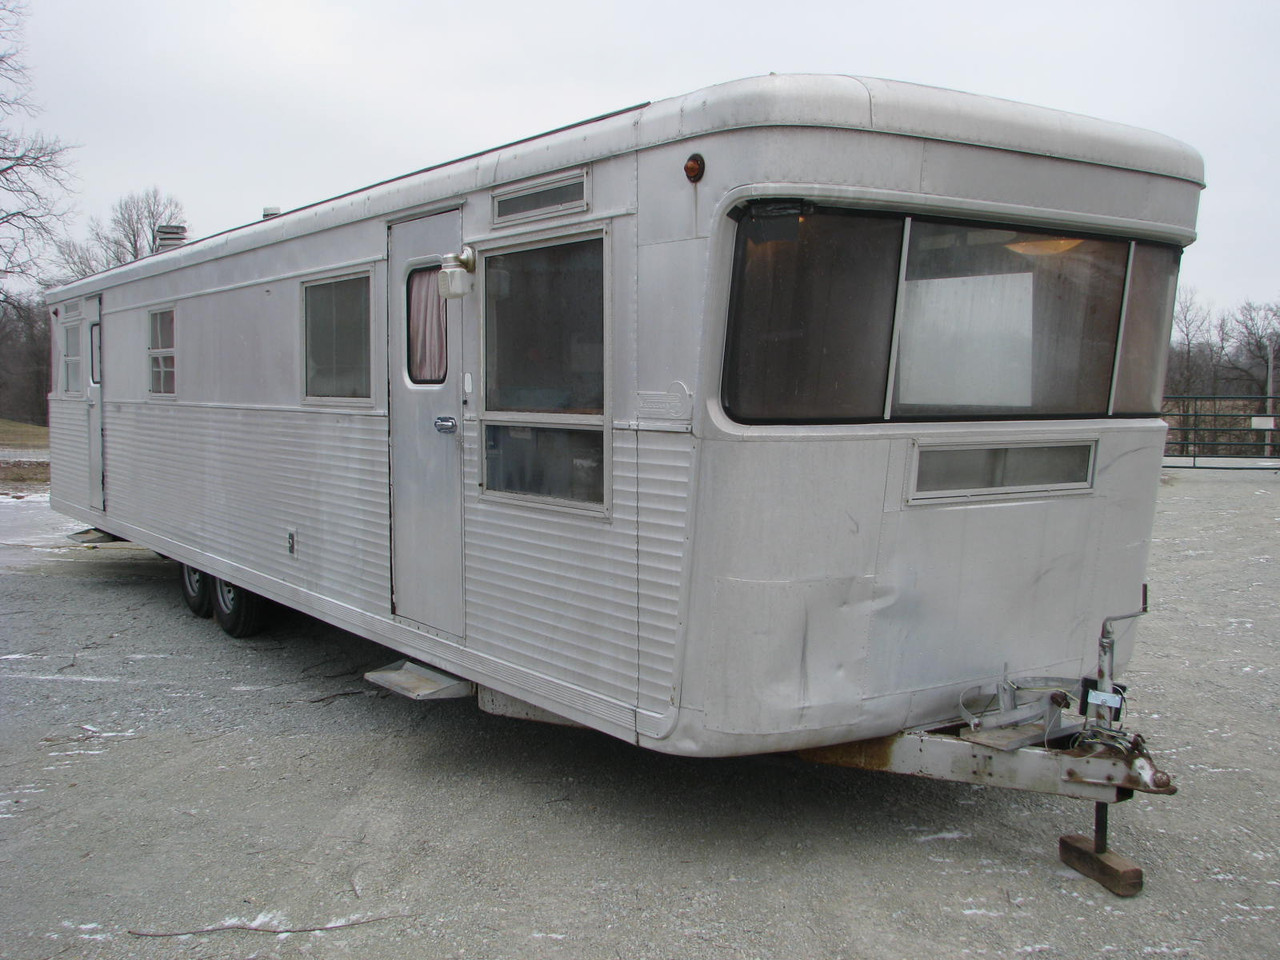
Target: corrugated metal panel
69,452
554,591
665,484
588,601
234,483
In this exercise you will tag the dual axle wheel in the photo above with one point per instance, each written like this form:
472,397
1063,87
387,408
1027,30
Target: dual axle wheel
238,611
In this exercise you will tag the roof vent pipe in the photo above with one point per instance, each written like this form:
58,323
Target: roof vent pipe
269,212
170,235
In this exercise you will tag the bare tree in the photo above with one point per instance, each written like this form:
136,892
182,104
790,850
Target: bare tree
33,175
1252,335
24,358
128,234
1191,331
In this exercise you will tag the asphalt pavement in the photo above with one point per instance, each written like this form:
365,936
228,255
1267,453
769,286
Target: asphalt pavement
169,792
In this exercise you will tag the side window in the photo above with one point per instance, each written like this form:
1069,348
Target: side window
548,198
71,358
160,354
428,343
337,338
95,353
544,371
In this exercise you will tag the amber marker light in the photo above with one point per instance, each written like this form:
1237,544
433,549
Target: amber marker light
695,167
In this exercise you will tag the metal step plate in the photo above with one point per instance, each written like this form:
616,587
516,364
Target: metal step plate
417,682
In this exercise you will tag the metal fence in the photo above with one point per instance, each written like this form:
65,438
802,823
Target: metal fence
1216,428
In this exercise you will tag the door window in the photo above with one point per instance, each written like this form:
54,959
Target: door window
428,337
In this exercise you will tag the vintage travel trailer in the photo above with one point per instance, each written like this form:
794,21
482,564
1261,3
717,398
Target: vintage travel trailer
794,412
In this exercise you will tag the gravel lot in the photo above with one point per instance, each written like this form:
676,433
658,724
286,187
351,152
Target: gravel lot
168,792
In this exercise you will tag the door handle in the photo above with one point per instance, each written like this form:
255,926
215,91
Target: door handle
446,424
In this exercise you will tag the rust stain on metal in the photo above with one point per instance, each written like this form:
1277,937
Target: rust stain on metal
874,754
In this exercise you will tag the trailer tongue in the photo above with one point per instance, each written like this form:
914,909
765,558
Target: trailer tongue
1026,743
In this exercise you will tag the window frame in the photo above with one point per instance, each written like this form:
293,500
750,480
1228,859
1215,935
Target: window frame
600,423
322,400
529,188
955,494
907,215
434,270
161,353
95,353
67,362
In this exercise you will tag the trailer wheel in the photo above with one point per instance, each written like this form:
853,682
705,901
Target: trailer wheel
238,611
197,590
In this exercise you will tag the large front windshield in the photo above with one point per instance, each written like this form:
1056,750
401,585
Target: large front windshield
983,321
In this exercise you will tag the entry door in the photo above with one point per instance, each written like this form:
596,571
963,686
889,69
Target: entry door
426,426
93,395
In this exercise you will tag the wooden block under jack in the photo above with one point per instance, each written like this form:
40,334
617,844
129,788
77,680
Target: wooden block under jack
1118,874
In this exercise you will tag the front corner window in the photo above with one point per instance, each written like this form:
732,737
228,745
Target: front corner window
544,371
827,324
1148,322
161,356
337,338
811,314
1003,322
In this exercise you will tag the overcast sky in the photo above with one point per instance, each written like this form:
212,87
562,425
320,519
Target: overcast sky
234,105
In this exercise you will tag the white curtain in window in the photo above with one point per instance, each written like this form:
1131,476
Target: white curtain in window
428,356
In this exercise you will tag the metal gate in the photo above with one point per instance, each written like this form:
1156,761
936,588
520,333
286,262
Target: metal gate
1232,432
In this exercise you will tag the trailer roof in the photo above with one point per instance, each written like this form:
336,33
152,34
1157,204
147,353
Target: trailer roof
799,100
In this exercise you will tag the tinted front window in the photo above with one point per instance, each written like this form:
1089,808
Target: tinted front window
1144,345
1007,322
812,315
991,321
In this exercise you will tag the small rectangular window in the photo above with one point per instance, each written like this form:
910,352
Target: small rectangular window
71,358
966,471
428,335
543,200
546,461
337,338
160,354
544,371
95,353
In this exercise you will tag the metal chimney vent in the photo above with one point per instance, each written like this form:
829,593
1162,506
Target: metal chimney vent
170,235
269,212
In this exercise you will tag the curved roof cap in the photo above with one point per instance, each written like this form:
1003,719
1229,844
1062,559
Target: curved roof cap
800,100
891,106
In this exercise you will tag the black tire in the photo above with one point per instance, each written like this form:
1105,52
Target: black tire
238,612
197,590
